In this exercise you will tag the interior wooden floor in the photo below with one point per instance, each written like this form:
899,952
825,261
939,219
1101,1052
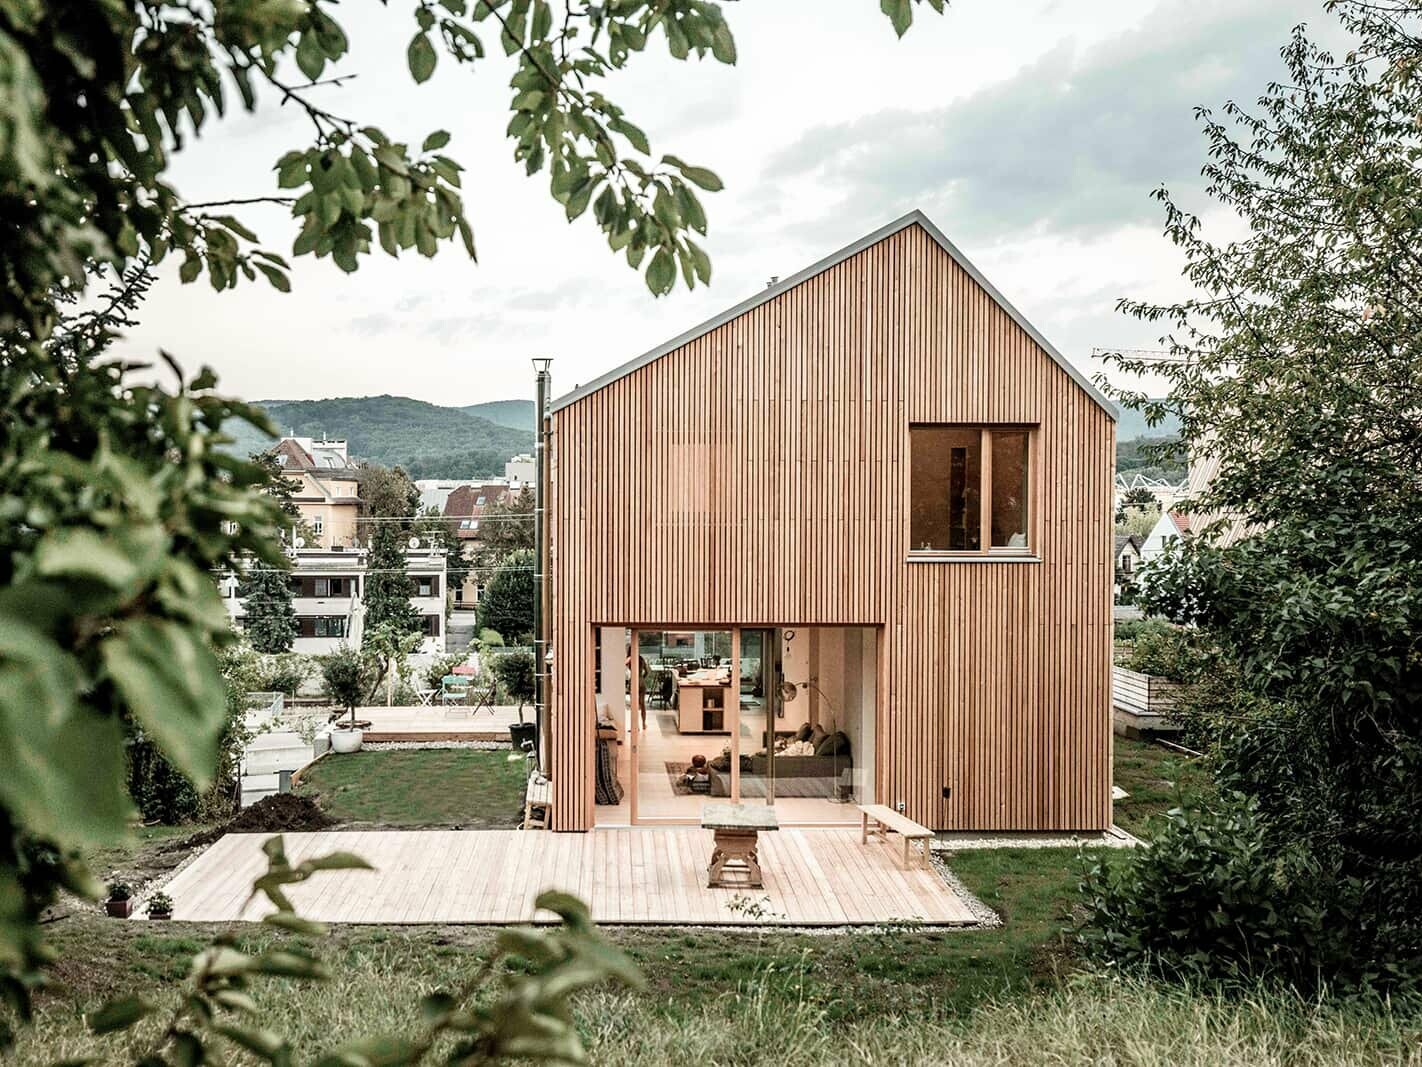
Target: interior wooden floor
657,799
640,875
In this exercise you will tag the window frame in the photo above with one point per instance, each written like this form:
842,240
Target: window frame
986,553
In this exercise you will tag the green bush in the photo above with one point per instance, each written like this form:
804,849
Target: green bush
1214,898
284,672
443,665
1128,630
1168,652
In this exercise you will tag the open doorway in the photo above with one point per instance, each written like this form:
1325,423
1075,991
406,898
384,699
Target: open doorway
774,715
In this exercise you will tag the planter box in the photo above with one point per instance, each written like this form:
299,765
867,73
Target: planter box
119,909
1141,703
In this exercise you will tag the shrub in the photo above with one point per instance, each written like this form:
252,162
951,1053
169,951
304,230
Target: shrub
1169,652
1129,630
1214,899
443,665
120,891
283,673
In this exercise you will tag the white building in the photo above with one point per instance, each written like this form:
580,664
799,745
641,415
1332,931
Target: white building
328,586
521,470
1171,526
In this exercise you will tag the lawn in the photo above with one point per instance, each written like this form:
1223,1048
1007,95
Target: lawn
1010,994
455,787
1157,779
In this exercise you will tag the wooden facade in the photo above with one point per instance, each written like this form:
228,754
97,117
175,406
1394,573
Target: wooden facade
756,472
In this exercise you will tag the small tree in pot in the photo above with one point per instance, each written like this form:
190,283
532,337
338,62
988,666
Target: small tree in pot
348,675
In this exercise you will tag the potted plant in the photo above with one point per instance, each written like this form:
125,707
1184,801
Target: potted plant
347,674
120,901
160,906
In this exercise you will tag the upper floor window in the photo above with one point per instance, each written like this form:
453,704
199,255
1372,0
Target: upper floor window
318,525
970,490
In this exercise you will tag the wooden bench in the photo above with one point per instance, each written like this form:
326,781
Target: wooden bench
879,819
538,805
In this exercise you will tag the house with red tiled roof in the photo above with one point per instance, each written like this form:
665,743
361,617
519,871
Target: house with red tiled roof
1171,526
326,489
465,508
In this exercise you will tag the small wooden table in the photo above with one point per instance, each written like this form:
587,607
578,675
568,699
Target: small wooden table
735,862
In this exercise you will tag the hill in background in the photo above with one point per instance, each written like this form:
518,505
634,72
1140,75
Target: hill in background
515,414
429,441
1132,425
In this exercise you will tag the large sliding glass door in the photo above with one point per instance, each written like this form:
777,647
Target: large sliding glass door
761,715
759,690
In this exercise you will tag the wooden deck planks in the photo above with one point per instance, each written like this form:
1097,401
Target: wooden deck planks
627,875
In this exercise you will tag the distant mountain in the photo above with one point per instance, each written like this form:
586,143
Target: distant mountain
429,441
516,414
1132,425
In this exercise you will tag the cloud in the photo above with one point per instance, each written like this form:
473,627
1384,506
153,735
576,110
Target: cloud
1071,143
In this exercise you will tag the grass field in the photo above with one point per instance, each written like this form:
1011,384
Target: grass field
469,788
1014,994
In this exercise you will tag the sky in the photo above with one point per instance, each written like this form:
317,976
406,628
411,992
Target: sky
1031,131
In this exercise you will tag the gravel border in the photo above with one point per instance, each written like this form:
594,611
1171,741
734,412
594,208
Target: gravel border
1112,838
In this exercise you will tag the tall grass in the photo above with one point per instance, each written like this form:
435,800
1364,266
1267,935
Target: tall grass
1089,1020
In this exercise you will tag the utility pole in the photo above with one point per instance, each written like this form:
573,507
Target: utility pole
540,554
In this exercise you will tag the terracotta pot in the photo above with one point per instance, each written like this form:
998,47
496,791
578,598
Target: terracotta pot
119,909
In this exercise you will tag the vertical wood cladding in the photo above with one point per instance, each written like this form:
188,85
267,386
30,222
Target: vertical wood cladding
759,474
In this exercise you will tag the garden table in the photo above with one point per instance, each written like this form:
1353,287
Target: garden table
735,861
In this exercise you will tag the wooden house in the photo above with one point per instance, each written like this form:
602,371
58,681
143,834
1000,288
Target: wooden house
849,541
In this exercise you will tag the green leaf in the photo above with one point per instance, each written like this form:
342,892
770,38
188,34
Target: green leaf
336,861
119,1014
259,1042
634,134
435,141
295,924
705,178
123,559
309,56
900,13
421,57
723,45
64,767
170,681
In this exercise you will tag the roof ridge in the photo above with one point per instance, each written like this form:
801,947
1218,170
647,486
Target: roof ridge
914,217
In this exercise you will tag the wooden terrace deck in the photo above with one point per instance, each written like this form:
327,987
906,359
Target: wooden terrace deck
627,876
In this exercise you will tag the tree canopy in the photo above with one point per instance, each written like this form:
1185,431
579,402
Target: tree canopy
1297,371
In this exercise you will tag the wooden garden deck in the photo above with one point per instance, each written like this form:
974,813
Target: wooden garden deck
638,876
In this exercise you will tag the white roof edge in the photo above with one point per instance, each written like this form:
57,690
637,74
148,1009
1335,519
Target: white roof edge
915,216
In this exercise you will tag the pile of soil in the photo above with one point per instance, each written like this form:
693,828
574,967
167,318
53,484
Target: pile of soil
278,813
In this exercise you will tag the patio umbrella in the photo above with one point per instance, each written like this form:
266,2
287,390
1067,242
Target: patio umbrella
355,628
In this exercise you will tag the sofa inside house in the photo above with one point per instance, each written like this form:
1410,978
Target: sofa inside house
808,763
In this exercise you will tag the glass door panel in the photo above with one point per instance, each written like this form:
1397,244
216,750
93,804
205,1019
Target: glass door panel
760,679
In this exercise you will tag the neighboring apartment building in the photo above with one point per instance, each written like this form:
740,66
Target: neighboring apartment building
328,585
467,506
327,489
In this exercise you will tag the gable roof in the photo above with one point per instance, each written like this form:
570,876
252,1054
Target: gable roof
1122,540
913,218
1181,520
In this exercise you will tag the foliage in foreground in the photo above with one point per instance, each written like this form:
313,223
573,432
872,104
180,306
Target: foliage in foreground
530,1015
1297,370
